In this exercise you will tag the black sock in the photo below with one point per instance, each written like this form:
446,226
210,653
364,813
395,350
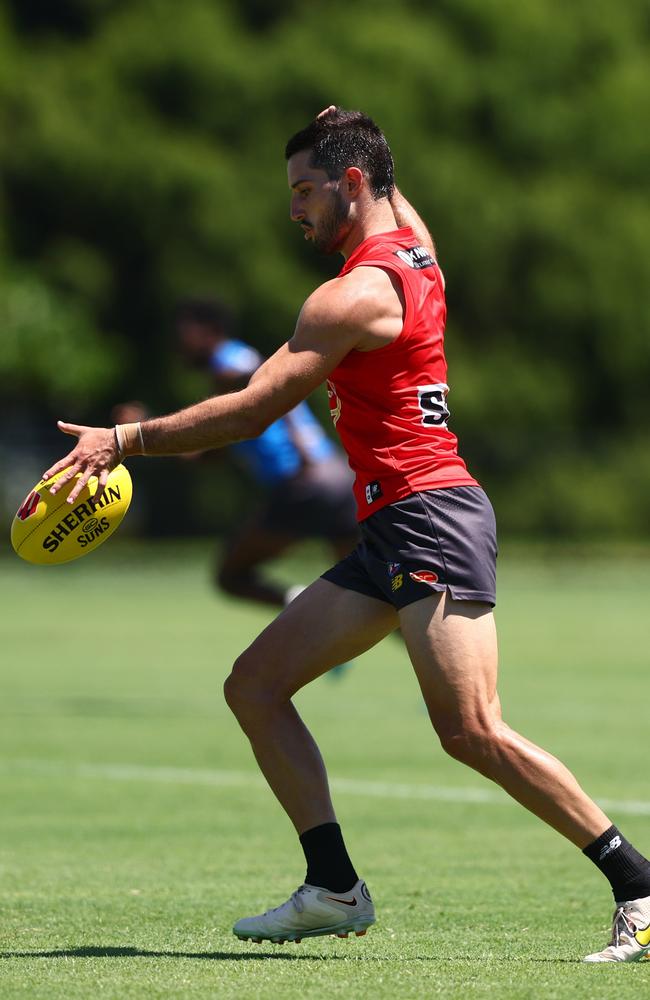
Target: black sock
328,862
628,871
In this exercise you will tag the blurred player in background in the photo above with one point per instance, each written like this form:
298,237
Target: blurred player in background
427,559
301,479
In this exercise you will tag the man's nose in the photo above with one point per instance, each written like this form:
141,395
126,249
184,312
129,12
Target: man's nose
296,212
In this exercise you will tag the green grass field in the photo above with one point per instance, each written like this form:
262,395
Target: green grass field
135,830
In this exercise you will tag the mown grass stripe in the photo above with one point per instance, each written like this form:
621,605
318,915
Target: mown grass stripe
246,779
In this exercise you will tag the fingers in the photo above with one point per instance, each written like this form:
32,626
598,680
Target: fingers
101,484
326,111
78,486
76,429
71,470
63,480
93,457
58,467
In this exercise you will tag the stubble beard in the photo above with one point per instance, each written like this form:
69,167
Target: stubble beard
333,227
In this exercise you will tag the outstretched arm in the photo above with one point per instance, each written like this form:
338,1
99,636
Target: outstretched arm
281,382
333,321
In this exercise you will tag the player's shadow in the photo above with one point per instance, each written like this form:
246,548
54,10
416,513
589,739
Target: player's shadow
211,956
256,956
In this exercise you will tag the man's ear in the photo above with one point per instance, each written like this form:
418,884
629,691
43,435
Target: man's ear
353,181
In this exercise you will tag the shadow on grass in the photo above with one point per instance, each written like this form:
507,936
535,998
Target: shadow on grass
213,956
256,956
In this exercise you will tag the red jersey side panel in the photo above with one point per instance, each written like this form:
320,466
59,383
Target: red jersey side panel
389,405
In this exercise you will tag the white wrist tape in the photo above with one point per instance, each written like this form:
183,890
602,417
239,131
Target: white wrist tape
129,439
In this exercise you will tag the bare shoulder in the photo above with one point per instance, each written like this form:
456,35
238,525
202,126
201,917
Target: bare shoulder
365,306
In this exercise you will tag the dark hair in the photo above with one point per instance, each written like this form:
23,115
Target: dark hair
208,312
347,139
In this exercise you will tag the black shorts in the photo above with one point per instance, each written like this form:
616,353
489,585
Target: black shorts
316,503
435,540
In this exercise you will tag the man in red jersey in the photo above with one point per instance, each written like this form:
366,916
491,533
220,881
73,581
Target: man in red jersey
426,561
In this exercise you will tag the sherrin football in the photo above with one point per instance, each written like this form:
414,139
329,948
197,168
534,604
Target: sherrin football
46,530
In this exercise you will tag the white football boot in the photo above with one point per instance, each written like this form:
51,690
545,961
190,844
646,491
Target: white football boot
310,912
630,934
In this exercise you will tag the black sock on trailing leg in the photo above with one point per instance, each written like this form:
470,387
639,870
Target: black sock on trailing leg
328,862
627,871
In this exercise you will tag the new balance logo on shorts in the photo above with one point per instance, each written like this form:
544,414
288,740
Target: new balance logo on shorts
614,843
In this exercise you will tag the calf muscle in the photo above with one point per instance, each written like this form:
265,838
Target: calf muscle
452,645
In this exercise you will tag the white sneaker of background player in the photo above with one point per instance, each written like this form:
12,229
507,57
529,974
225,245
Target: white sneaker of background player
309,912
630,933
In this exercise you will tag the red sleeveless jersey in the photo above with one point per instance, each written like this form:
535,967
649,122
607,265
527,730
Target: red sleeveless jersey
389,405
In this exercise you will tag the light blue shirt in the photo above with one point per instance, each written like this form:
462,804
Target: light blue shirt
273,456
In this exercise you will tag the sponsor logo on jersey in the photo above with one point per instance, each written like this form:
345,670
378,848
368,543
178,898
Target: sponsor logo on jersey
373,491
397,582
432,400
393,568
334,401
424,576
416,257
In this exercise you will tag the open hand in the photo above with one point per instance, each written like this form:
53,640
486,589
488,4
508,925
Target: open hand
95,454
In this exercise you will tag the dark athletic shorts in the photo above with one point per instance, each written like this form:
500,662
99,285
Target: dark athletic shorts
316,503
435,540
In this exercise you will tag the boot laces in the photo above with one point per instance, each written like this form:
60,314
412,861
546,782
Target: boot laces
623,927
294,898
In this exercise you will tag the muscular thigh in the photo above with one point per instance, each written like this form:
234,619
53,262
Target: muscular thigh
453,648
324,626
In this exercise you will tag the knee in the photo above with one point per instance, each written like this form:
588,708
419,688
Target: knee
250,700
238,687
474,742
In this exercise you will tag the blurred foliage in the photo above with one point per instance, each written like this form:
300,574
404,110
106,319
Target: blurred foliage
143,160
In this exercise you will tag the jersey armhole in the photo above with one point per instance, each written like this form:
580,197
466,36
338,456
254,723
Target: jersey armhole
409,304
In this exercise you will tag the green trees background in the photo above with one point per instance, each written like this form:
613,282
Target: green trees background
141,159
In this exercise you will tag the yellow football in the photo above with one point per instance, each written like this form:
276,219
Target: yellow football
48,530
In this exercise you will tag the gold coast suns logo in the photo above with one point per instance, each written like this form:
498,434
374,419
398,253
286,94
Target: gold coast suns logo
334,401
